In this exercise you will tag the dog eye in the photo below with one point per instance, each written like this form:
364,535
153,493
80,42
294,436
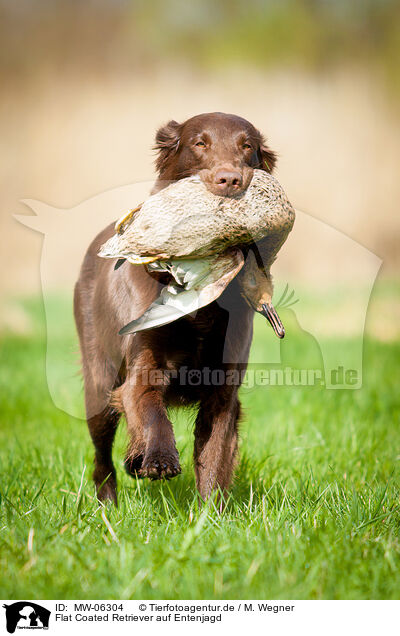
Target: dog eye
200,144
246,146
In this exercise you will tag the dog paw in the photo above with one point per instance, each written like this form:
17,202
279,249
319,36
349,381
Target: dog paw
160,465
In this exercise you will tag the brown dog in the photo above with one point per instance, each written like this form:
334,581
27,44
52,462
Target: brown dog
140,375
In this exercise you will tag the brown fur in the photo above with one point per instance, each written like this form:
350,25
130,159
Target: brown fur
116,369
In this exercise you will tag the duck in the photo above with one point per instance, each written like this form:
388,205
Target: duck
203,242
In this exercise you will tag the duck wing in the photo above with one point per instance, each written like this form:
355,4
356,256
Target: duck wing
196,283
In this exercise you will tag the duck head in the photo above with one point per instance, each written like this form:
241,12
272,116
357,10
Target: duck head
257,289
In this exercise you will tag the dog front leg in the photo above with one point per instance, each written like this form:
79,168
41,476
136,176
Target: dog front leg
215,447
152,451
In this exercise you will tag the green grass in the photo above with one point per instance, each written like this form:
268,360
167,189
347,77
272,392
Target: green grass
313,512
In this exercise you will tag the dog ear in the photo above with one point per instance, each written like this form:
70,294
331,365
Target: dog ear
267,157
167,143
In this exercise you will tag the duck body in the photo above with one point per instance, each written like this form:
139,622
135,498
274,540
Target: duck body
196,236
185,220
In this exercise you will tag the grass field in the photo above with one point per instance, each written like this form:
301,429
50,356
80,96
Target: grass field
313,513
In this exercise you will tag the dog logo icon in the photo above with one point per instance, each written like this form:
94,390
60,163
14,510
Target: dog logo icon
26,615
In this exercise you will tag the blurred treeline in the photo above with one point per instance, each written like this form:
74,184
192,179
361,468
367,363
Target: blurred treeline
107,35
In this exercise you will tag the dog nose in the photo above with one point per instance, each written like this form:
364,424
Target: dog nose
228,181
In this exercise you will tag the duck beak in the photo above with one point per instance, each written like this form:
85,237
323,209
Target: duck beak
269,311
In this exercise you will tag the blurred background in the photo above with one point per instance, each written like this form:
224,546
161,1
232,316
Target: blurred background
85,84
